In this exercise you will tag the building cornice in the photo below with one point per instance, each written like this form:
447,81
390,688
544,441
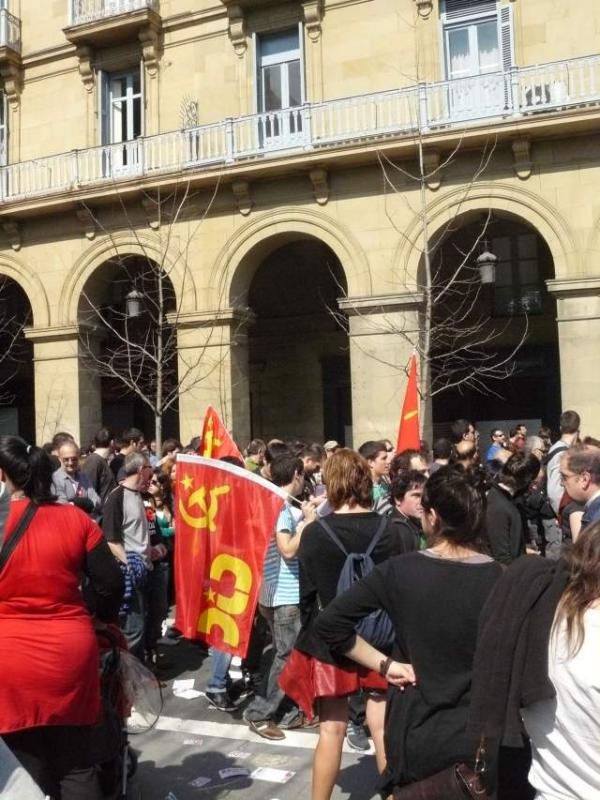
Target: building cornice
382,303
574,287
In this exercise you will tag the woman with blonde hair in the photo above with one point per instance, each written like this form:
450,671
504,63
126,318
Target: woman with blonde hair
313,678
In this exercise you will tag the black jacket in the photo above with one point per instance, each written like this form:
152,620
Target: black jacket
407,530
505,530
510,668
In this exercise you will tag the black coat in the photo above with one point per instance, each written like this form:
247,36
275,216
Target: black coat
505,529
510,668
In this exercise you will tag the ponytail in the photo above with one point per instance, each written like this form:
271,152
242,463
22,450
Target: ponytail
29,468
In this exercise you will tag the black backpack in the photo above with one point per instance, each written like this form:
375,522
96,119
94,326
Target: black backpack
376,628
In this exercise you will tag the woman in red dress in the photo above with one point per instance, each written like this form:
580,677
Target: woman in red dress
49,689
312,677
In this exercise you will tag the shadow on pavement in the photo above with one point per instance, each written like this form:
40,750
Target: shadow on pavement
156,782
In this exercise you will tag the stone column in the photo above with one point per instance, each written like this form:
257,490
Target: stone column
67,394
578,318
379,354
213,370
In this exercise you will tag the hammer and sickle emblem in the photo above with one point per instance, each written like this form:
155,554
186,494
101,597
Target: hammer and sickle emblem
209,506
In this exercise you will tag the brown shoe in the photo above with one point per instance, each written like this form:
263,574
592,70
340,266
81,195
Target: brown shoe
301,722
266,728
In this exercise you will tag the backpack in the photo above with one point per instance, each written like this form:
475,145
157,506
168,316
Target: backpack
376,628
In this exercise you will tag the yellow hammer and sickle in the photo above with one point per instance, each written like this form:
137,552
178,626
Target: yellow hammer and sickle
210,507
210,440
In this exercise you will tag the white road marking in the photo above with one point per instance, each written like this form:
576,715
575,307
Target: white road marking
241,733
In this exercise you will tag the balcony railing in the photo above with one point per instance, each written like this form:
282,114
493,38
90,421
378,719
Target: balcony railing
10,31
382,116
82,11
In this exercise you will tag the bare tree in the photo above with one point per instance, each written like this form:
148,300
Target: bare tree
129,320
459,343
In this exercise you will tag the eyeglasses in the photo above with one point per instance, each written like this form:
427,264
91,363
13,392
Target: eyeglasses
71,458
154,482
565,477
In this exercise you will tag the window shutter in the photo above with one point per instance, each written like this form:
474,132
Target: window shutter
142,98
506,37
457,9
255,72
302,60
3,130
103,106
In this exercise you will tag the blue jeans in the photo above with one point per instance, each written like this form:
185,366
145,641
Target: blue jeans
220,670
284,623
133,624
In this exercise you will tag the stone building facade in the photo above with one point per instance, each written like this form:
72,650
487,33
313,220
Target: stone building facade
290,131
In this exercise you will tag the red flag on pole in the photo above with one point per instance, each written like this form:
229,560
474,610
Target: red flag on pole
215,441
409,437
225,517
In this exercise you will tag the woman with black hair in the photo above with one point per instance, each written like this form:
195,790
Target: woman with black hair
49,686
433,598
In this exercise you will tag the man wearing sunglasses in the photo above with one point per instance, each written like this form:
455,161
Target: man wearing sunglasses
71,485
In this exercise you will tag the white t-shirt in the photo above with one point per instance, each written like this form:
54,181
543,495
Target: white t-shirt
565,731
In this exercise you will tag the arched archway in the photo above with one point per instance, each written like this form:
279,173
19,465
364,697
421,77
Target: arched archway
511,323
129,345
17,412
299,366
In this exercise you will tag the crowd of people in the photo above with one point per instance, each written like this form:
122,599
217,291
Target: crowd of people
442,602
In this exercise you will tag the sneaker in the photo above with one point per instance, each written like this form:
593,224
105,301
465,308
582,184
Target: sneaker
266,728
239,690
220,700
357,738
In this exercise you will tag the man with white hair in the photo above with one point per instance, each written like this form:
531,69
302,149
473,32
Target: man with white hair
71,485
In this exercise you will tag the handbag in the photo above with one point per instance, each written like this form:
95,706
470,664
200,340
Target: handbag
22,525
458,782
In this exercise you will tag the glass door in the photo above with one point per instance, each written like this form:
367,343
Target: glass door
474,66
124,98
279,89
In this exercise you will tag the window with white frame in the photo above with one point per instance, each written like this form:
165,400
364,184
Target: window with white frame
478,37
121,106
478,52
280,85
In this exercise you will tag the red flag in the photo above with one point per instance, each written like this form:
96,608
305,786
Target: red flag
409,437
225,516
215,441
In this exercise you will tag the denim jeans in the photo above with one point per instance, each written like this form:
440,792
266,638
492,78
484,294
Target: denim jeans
133,624
220,670
284,623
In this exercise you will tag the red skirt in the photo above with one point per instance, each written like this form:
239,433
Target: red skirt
306,679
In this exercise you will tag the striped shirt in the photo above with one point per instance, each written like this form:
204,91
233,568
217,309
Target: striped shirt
281,584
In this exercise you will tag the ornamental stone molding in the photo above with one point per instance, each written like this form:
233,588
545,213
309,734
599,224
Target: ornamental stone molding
12,231
12,79
85,57
424,8
523,164
432,170
320,184
150,40
237,29
88,223
241,193
313,15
